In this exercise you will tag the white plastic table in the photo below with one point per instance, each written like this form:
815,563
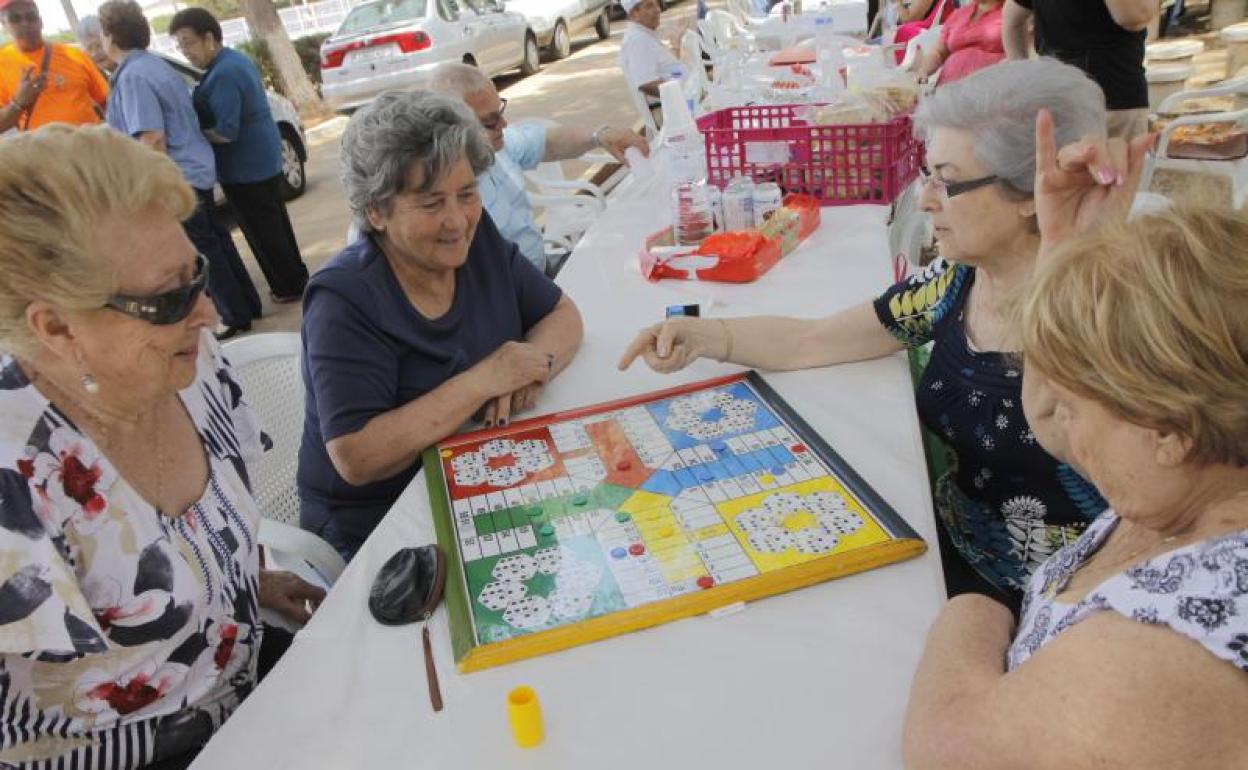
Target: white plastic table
814,678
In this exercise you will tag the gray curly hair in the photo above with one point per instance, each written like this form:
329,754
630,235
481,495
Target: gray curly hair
998,106
400,130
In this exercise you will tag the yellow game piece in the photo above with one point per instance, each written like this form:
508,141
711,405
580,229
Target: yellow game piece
524,713
800,521
767,478
447,453
666,532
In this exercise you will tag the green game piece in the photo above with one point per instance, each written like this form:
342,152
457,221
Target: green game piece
580,500
546,530
536,512
622,517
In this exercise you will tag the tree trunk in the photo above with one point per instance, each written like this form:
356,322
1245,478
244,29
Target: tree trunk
264,22
70,15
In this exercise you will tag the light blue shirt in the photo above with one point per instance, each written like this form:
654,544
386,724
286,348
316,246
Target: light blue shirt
503,193
148,95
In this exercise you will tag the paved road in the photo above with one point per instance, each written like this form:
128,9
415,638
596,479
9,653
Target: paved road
586,89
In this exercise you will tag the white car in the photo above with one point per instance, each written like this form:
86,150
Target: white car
387,44
556,22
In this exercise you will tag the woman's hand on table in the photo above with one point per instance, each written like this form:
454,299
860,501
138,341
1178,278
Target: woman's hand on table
290,595
1086,184
513,373
677,342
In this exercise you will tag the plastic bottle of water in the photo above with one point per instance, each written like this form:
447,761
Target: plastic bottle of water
685,155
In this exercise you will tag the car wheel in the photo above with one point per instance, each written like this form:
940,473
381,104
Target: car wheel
294,181
560,42
603,25
532,61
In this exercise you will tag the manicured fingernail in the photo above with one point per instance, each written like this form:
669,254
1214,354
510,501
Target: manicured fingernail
488,423
1120,179
502,423
1105,176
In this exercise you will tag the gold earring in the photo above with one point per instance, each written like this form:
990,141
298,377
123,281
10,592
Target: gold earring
90,385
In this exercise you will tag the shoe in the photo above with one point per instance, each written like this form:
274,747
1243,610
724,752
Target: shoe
231,332
285,299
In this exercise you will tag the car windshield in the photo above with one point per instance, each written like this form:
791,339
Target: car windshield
382,13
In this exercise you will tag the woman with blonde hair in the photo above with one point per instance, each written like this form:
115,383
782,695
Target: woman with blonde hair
1133,644
130,582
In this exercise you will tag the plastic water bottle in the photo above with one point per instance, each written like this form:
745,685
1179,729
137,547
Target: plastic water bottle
685,154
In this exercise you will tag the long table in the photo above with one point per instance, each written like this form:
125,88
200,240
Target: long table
817,677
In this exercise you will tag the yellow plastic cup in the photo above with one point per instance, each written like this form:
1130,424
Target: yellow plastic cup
524,712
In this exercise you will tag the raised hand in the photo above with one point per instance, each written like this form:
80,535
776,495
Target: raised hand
1086,184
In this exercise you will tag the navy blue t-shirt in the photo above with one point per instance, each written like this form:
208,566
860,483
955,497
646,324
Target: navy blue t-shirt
367,350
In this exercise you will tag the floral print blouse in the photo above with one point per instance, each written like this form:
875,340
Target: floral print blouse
1005,503
126,636
1198,590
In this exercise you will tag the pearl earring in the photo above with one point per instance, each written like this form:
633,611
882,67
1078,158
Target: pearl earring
90,385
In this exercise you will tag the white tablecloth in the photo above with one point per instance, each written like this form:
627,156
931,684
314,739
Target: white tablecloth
818,677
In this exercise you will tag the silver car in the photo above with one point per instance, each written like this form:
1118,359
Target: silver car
387,44
555,22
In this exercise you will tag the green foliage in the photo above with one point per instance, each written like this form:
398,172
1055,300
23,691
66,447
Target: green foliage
309,51
160,24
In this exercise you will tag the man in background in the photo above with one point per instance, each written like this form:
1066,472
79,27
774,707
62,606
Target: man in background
43,83
92,41
1104,38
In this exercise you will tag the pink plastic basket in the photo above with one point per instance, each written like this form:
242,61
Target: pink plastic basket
839,165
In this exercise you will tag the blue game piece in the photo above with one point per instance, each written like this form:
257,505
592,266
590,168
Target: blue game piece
719,447
618,553
778,470
705,475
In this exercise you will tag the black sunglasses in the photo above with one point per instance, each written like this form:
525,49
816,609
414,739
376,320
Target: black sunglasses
17,17
496,118
954,189
169,307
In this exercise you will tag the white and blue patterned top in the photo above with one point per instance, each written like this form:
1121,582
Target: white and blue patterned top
503,194
1198,590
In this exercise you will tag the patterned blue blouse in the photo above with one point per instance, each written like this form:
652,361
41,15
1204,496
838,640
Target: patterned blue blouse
1005,503
1199,591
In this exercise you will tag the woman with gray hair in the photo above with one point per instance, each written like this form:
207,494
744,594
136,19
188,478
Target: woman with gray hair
1004,503
430,319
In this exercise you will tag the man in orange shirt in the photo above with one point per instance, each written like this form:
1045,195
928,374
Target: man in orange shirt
43,83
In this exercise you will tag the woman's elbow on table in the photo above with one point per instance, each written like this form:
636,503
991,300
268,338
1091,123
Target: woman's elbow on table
354,461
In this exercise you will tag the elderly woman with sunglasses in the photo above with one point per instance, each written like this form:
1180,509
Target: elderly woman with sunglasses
130,582
1004,503
431,318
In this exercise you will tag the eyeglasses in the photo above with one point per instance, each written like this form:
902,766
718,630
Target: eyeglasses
494,120
954,189
17,17
169,307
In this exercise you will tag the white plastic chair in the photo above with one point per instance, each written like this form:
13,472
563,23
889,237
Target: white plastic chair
267,366
727,31
643,111
691,57
1235,170
568,207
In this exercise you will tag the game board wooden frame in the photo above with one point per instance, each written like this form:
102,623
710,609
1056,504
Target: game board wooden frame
904,542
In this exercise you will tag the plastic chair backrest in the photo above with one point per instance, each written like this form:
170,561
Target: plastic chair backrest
691,57
267,366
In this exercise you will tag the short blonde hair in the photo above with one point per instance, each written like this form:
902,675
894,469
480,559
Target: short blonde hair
58,185
1150,320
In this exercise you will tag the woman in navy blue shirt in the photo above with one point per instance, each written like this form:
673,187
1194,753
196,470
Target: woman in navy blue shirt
429,320
1005,504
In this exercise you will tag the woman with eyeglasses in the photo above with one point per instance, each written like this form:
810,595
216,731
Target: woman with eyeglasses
130,582
1004,503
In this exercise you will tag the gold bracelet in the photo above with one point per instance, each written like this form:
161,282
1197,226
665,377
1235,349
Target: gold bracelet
728,336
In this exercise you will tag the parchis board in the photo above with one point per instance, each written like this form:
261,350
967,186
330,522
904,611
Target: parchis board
577,526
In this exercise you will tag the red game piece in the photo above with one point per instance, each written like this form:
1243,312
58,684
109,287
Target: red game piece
636,549
623,465
706,581
798,447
